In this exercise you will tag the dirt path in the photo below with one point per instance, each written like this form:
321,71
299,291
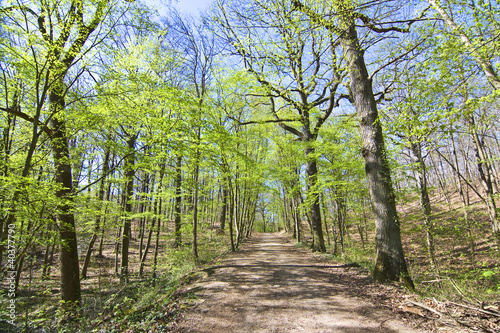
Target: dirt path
272,286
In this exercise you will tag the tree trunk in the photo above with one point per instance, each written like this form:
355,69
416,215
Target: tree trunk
130,173
100,195
70,272
157,212
195,208
425,202
485,63
341,210
485,175
231,214
313,198
222,219
472,243
390,263
157,245
142,208
296,216
178,202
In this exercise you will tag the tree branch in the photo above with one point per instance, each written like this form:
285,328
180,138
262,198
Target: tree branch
285,127
27,117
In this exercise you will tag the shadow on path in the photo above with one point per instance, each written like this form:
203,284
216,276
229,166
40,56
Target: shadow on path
271,286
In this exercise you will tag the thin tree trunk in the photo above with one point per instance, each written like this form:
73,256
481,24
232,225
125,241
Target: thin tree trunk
231,213
195,203
157,211
178,202
97,226
485,176
158,227
48,266
236,207
142,209
130,173
485,64
223,213
472,243
297,219
425,202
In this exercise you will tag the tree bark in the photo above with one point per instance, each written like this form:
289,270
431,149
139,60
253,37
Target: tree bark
157,211
313,197
390,263
178,202
456,169
231,213
485,176
425,202
70,272
195,208
130,173
223,213
101,196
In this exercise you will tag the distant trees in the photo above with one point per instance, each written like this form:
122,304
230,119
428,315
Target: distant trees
108,100
298,69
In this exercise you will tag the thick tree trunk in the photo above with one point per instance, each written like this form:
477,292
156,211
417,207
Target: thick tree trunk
313,198
70,272
390,263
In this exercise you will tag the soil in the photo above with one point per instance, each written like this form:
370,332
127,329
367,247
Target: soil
269,285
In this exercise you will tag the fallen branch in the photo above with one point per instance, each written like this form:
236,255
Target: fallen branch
423,306
476,309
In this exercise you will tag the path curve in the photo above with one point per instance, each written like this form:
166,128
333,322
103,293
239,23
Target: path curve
272,286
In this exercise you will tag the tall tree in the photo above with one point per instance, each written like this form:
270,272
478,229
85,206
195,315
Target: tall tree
390,263
64,29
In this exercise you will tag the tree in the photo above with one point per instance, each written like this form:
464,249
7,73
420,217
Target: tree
390,263
63,31
297,67
480,38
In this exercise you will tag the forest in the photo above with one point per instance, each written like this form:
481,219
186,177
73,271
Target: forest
139,143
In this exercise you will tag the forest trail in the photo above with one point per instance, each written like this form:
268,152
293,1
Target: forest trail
272,286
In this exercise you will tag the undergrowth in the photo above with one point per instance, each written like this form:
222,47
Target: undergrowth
143,304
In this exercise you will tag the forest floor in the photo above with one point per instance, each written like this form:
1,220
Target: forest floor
269,285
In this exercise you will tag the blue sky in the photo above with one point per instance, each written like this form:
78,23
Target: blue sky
184,6
191,6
